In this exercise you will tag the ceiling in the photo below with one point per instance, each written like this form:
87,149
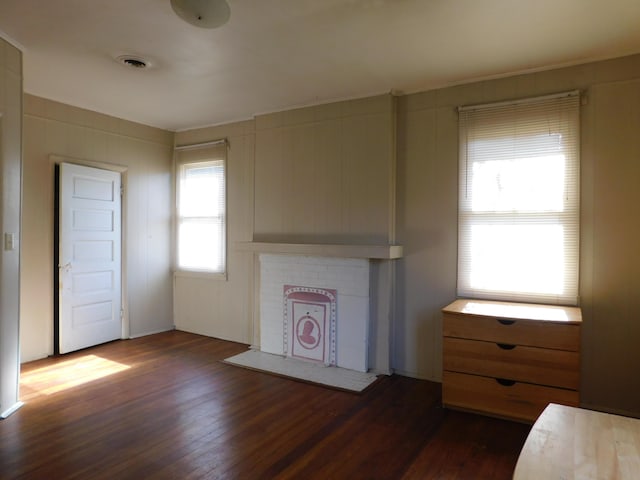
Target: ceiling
280,54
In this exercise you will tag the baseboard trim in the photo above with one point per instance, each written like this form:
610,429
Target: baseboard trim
139,335
9,411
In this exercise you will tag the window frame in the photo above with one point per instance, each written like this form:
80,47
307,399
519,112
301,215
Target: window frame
570,213
198,157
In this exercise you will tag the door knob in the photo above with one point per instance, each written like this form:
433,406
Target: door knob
66,267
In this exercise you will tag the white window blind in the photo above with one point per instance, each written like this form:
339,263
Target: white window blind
518,231
201,209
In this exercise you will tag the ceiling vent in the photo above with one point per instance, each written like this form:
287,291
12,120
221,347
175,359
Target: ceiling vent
133,62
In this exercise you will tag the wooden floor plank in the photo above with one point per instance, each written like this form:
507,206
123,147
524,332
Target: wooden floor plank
178,412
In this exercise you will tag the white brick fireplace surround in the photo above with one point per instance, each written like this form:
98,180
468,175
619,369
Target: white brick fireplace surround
330,304
347,277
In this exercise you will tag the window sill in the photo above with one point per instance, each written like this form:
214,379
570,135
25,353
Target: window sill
200,274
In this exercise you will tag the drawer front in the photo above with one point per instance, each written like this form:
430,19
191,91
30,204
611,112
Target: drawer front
515,332
520,401
557,368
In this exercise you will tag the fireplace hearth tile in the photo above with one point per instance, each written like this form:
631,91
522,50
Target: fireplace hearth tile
333,377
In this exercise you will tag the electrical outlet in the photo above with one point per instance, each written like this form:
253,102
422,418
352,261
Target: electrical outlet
9,241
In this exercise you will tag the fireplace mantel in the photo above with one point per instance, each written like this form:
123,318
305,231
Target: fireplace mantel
376,252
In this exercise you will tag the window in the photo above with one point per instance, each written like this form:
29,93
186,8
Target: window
518,224
201,210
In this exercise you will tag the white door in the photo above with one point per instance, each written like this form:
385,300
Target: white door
89,257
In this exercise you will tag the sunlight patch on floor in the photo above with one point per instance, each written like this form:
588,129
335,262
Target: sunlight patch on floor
67,374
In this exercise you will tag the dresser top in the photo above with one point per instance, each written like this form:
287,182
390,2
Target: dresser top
523,311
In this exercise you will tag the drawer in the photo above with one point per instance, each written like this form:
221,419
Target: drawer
517,401
532,333
557,368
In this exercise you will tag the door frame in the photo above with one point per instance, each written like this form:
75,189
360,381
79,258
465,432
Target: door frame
55,161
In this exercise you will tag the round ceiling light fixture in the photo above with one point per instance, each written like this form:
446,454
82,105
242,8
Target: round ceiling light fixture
202,13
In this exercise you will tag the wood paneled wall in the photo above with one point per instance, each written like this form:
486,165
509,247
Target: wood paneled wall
52,131
610,226
325,174
344,147
322,174
10,151
217,307
331,173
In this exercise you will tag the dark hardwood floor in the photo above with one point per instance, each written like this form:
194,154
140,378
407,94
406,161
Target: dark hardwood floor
165,406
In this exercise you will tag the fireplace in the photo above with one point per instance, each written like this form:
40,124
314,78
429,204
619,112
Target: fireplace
356,284
315,309
310,324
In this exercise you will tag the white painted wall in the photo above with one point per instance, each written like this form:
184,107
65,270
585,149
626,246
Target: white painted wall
10,163
53,131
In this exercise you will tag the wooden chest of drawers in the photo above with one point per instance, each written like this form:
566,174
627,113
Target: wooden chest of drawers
510,359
